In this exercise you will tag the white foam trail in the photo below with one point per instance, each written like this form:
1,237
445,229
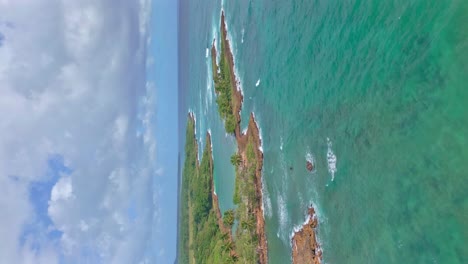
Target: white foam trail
283,215
257,83
331,159
207,52
211,145
209,83
242,38
266,205
281,143
192,114
284,225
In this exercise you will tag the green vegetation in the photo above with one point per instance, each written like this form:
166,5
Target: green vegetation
246,199
190,166
201,239
228,218
236,159
205,237
224,87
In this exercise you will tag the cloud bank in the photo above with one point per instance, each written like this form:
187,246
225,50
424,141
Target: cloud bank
76,136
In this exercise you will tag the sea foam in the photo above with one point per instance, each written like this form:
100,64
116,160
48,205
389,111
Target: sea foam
282,216
266,205
318,215
209,83
242,33
260,147
331,159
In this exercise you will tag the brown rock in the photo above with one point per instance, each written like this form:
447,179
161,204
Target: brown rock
305,249
309,166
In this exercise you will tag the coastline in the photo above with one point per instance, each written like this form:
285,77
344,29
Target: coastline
215,202
205,236
251,135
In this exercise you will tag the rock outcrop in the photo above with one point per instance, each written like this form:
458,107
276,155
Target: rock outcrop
305,248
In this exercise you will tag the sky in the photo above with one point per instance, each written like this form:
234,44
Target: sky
88,131
163,73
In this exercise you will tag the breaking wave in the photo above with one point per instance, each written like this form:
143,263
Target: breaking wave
266,205
283,218
331,159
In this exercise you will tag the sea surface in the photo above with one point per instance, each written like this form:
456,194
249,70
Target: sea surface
382,86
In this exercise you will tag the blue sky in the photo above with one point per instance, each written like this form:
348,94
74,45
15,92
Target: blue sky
163,48
88,131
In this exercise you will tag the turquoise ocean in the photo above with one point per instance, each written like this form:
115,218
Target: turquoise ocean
382,85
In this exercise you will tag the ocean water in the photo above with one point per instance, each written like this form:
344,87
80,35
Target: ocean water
382,85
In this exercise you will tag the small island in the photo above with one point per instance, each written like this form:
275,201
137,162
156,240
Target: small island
305,248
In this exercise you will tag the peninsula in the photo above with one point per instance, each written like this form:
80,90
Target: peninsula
250,238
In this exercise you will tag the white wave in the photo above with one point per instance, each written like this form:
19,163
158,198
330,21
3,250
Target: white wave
242,33
260,147
331,159
257,83
299,227
207,53
192,114
209,83
211,145
283,216
281,143
284,220
244,131
318,215
238,81
214,37
266,205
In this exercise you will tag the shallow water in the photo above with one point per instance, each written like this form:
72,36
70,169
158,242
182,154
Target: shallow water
386,82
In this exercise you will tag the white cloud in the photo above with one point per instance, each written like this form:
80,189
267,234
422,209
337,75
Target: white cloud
62,190
72,78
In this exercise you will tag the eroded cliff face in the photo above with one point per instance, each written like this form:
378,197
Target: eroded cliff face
305,248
